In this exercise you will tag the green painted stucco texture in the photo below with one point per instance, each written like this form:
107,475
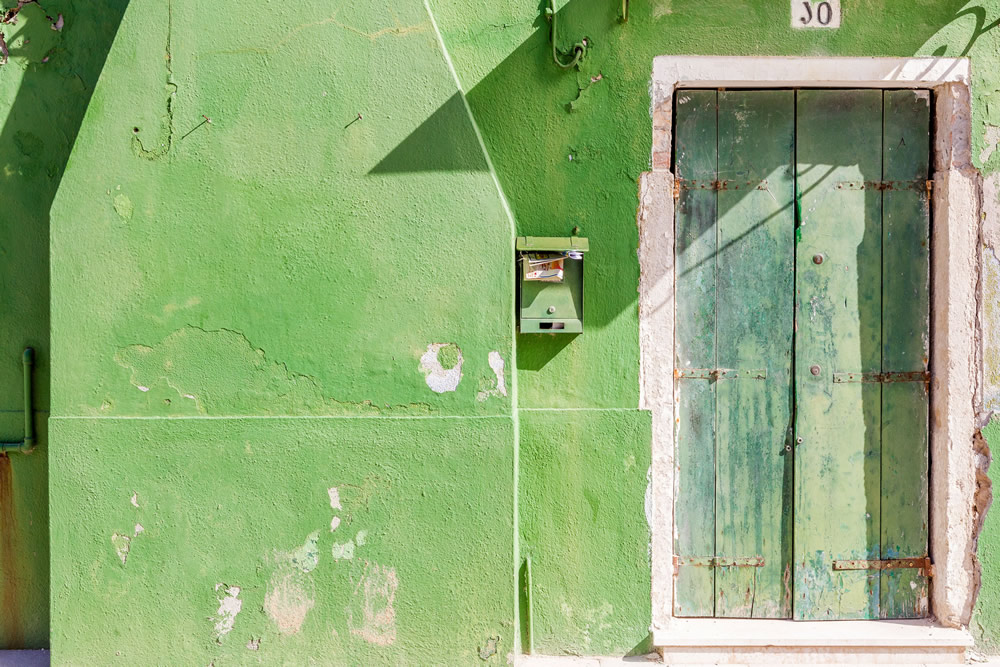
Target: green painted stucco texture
280,432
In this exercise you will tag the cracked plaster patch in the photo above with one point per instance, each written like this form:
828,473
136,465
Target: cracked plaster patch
439,378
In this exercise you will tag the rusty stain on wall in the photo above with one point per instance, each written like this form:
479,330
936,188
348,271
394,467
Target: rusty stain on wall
8,551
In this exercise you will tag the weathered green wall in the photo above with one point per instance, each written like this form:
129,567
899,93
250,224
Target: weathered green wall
44,89
240,313
240,308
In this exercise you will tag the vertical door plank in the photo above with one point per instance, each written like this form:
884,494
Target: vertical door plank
905,347
755,274
695,236
838,319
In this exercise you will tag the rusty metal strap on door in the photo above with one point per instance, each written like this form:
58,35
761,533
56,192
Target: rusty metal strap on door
719,374
884,378
705,184
918,185
923,563
718,561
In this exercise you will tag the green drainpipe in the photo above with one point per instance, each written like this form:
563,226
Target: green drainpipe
29,423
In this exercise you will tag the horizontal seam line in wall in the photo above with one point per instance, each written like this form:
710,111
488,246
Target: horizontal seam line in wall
237,417
582,409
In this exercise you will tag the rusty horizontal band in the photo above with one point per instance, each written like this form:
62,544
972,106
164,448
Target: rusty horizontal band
883,378
705,184
918,185
719,561
885,564
720,374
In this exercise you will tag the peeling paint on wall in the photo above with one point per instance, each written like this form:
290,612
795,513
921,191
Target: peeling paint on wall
442,367
229,606
122,545
306,557
499,388
290,596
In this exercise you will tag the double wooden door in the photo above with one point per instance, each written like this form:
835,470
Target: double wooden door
801,368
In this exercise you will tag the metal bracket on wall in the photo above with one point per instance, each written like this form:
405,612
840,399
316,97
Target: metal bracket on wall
923,563
720,374
28,362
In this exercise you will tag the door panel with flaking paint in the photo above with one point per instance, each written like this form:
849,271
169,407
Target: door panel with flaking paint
905,348
755,278
840,279
696,143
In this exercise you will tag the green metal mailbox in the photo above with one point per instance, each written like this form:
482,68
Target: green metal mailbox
552,304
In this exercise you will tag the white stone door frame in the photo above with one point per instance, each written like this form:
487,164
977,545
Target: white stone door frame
955,270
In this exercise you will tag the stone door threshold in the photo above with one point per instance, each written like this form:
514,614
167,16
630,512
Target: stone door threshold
753,641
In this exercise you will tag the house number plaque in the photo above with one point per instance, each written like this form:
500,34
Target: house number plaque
815,13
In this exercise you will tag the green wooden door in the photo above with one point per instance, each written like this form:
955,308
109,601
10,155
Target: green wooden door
802,258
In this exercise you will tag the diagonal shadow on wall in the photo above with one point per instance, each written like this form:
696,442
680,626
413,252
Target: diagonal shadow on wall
446,141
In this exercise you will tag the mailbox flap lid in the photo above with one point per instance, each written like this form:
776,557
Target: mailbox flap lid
552,243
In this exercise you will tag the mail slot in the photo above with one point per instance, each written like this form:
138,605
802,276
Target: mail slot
550,279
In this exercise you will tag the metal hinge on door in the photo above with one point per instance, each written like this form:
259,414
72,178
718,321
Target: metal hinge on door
884,377
717,561
687,184
719,374
923,563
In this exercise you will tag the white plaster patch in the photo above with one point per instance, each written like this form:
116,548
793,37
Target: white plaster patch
334,523
361,538
372,614
497,364
439,378
122,544
306,557
334,494
229,606
138,529
135,499
343,551
990,141
141,388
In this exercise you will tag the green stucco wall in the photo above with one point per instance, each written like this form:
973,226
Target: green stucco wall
248,313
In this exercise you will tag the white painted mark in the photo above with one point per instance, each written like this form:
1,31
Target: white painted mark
135,499
343,551
138,529
334,523
361,538
122,544
371,614
334,498
439,378
142,388
229,606
306,557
